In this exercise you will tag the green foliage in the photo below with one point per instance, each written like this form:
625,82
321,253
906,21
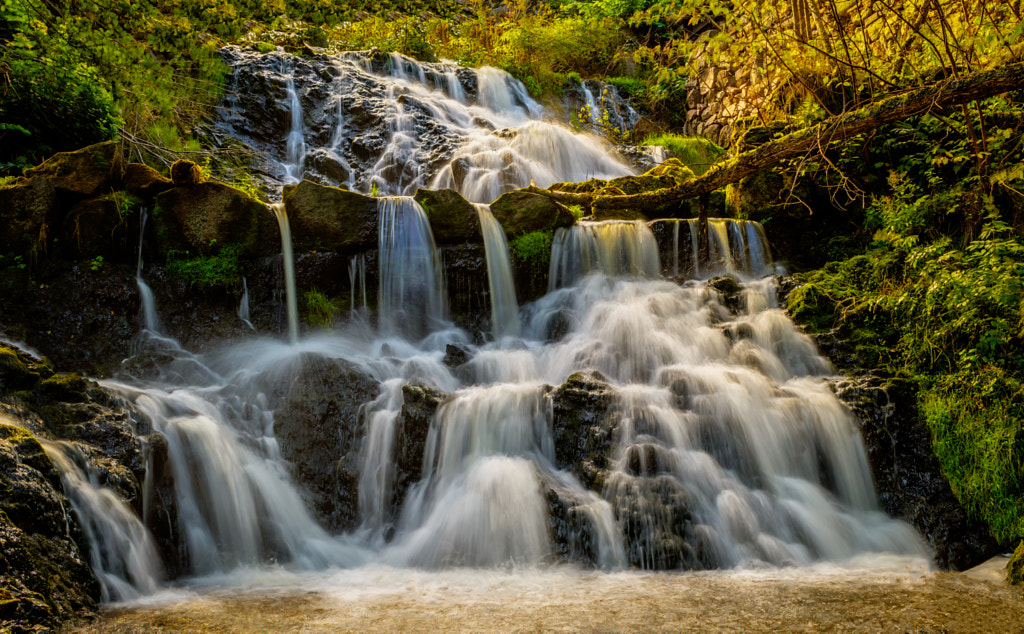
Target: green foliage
533,249
205,271
320,310
697,153
576,211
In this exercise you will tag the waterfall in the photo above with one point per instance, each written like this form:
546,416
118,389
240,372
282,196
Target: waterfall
122,552
412,296
613,247
414,124
147,299
504,307
357,280
243,306
288,261
735,247
295,144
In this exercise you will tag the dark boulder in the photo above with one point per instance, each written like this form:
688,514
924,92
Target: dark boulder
144,181
453,219
330,218
90,171
520,212
907,474
28,212
320,431
205,218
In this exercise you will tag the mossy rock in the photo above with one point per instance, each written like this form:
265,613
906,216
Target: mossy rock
582,187
453,219
14,374
90,171
63,388
144,181
28,208
205,218
809,306
99,227
672,169
520,212
185,172
330,218
1015,567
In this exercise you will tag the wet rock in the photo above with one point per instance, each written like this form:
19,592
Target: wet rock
28,210
319,429
521,212
582,427
419,405
144,181
45,578
89,171
454,356
330,218
573,533
453,219
907,474
206,217
731,291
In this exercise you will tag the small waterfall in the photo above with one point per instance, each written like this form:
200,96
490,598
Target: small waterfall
288,259
613,247
735,247
122,553
504,306
481,502
243,306
295,144
412,296
376,480
357,280
148,300
593,111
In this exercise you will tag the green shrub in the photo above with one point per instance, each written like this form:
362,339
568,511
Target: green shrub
320,311
204,271
698,153
534,250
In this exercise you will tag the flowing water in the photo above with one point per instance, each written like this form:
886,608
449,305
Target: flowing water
288,261
717,444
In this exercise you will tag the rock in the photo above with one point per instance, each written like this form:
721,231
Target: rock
45,578
14,374
205,218
521,212
645,128
330,218
453,219
319,429
28,210
185,172
1015,567
419,405
582,427
731,291
144,181
907,474
99,227
454,356
89,171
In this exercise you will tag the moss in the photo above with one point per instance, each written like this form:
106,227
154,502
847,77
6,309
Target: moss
810,306
320,310
206,271
185,172
534,250
63,388
14,374
1015,567
697,153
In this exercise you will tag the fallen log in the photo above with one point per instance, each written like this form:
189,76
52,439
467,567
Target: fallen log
950,92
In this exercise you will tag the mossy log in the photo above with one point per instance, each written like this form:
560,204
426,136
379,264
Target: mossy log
950,92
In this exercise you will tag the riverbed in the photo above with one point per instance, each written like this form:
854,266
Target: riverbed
876,595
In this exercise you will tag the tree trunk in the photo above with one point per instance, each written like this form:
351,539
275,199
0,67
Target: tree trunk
950,92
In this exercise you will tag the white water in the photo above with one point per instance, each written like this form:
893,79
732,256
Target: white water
504,306
615,247
243,305
288,262
149,315
412,296
122,553
499,141
735,247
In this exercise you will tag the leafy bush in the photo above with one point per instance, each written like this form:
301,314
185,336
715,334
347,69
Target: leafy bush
320,311
533,249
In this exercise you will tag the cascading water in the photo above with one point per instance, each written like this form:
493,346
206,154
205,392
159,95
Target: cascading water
735,247
288,263
504,307
412,295
122,553
614,247
400,124
149,315
243,305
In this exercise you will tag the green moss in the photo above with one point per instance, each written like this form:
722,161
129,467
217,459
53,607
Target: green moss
1015,567
697,153
63,388
206,271
14,374
320,310
534,250
811,307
